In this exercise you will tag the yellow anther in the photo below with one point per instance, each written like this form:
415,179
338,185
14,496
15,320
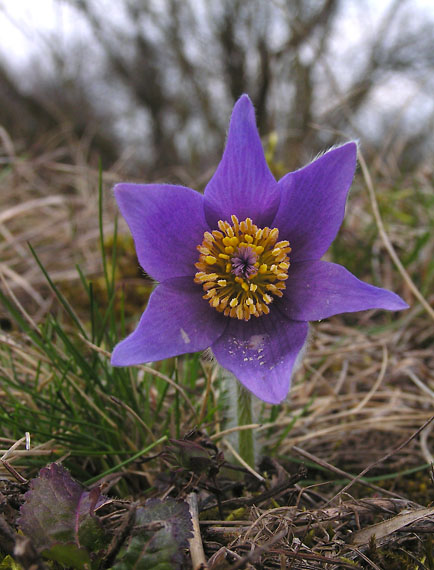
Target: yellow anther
242,268
235,221
274,234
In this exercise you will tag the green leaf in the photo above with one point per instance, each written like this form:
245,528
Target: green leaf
69,555
57,510
162,530
8,563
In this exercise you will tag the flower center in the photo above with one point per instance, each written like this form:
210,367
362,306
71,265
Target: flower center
242,267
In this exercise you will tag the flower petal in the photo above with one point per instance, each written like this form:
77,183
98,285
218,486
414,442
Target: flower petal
242,184
177,320
167,223
312,202
319,289
261,353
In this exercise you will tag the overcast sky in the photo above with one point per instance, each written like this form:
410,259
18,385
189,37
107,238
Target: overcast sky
25,24
23,21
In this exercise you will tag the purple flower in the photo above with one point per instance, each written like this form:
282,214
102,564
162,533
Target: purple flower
239,267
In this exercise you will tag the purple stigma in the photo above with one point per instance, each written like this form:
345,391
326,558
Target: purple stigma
243,262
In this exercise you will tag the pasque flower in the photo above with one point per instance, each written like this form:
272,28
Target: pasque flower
239,267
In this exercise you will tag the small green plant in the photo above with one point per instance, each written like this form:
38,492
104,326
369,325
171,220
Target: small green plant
57,384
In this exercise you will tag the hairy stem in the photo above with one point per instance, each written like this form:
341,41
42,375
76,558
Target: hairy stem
246,444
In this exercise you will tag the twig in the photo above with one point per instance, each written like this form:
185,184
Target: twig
266,495
387,243
119,537
242,462
377,384
233,430
364,557
13,447
384,458
342,473
196,547
13,472
256,553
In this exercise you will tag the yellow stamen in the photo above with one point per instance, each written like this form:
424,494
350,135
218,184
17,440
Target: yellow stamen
242,268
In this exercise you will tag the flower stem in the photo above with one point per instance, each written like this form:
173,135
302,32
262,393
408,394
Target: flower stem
246,447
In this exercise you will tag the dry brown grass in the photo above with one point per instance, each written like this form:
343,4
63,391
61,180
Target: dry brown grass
366,384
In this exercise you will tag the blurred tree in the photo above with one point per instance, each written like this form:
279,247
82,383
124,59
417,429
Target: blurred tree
173,68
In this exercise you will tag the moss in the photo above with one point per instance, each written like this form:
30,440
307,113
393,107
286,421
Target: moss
417,555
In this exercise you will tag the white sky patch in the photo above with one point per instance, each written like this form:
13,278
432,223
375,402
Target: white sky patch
26,25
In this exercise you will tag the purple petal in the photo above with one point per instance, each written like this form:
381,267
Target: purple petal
167,223
261,353
242,184
318,289
312,203
177,320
